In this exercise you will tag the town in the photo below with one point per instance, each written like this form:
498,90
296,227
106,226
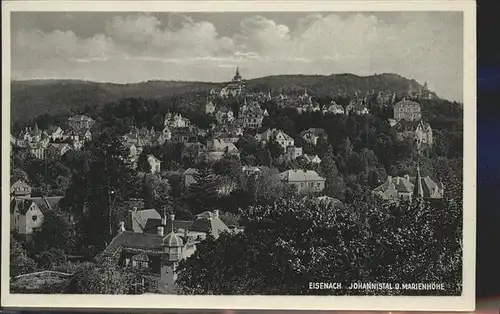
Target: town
201,195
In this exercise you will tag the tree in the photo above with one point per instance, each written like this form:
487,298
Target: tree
266,186
51,259
142,163
57,232
292,242
101,180
101,278
202,193
18,174
20,262
155,191
334,185
275,150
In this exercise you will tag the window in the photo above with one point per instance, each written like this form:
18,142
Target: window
34,218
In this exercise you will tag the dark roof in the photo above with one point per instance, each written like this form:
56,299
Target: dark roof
136,220
43,203
402,185
153,224
52,129
315,131
53,201
429,187
213,225
406,102
130,239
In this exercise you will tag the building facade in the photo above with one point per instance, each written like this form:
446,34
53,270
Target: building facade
407,110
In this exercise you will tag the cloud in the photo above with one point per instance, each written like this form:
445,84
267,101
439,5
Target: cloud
261,35
145,34
417,45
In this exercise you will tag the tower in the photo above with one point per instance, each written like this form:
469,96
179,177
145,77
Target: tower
237,76
418,190
171,255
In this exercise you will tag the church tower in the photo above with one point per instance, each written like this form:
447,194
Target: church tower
237,76
418,190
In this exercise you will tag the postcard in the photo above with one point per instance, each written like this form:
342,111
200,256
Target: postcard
306,155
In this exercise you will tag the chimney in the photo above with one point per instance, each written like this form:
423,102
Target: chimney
389,179
122,227
216,213
160,231
135,209
407,177
397,180
172,218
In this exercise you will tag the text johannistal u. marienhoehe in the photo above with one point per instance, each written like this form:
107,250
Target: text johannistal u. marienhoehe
375,286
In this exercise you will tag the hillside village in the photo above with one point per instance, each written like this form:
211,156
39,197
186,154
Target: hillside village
147,194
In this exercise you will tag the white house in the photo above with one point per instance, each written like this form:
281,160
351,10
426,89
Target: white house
283,139
154,163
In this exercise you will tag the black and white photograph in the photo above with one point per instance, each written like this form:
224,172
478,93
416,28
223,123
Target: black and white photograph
264,153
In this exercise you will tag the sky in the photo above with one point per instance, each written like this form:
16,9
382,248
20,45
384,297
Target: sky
127,47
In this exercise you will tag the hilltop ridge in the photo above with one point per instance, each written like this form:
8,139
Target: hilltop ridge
30,98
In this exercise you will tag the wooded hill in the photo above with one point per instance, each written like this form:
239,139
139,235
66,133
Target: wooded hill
34,97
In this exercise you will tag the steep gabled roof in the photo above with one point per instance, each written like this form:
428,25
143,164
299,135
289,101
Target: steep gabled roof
136,220
300,176
400,184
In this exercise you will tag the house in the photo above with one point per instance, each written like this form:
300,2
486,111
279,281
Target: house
27,213
234,88
224,115
176,121
312,135
312,159
251,170
309,107
361,109
407,110
37,149
283,139
217,148
57,150
188,177
55,133
251,116
192,150
335,108
155,255
420,132
31,135
293,152
209,107
395,188
304,180
136,220
154,163
183,135
20,189
80,122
